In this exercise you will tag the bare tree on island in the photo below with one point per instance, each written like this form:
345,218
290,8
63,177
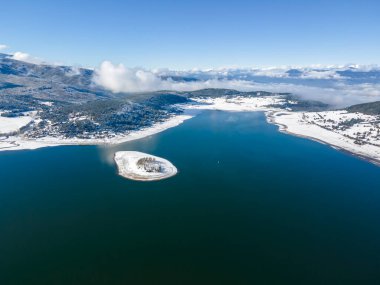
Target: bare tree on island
149,164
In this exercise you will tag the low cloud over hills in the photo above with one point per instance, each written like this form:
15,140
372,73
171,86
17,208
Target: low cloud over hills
337,85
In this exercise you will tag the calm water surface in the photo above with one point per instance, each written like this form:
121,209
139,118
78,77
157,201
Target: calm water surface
250,205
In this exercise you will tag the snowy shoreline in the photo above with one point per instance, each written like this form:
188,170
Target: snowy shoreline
18,143
289,122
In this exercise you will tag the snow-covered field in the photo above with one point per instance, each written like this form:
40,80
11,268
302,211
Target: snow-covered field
11,125
238,103
359,127
127,163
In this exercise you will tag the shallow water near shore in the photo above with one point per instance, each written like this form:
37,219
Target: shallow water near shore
249,204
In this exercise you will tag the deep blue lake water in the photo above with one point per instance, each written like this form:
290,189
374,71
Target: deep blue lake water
250,205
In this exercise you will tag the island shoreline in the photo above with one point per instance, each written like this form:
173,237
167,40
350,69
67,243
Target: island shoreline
128,166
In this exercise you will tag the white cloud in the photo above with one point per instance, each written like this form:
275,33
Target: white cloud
320,74
2,47
271,72
73,71
21,56
338,95
118,78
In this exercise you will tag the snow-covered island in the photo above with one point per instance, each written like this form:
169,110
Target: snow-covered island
143,167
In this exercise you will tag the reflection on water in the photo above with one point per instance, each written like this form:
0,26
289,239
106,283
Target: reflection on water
107,152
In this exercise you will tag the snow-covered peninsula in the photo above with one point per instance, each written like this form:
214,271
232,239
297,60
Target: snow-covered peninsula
143,167
19,142
353,132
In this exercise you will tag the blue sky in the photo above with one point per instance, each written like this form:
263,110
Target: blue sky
187,34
